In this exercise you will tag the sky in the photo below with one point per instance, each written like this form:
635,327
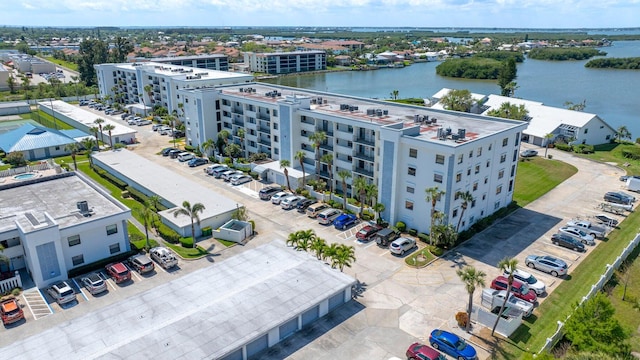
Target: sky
541,14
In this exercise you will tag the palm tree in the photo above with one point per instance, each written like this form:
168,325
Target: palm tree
317,138
224,136
433,195
466,198
305,239
344,175
394,94
192,213
73,148
284,164
623,133
147,215
328,159
292,240
506,265
207,145
300,156
329,251
318,246
371,193
378,208
471,279
94,130
343,256
108,129
88,144
548,138
360,187
240,133
99,122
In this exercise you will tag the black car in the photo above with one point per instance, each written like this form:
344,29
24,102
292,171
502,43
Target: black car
567,241
617,198
268,192
165,151
304,204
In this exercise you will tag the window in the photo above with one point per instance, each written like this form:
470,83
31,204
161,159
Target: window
57,147
437,178
454,213
475,186
275,112
457,195
501,174
114,248
473,204
608,137
439,159
413,153
515,155
77,260
496,206
486,179
503,158
410,190
488,163
490,147
112,229
479,151
458,177
412,171
470,154
276,151
408,205
510,185
586,131
468,171
460,158
74,240
484,196
505,142
275,138
275,126
498,189
513,170
477,170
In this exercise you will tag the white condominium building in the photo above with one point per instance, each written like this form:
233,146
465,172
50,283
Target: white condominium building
286,62
403,149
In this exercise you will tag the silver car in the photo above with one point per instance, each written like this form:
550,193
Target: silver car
94,283
548,264
578,234
62,293
401,245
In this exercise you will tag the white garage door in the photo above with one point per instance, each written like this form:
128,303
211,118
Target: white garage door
257,345
288,328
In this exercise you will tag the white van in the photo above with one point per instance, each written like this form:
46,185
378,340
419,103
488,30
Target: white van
326,217
185,156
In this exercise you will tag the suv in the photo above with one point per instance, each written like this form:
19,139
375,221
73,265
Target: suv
617,198
386,236
141,263
267,192
62,293
368,232
326,217
344,221
537,285
118,272
567,241
10,311
549,264
94,283
302,205
519,289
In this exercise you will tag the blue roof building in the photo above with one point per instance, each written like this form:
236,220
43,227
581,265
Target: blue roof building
35,142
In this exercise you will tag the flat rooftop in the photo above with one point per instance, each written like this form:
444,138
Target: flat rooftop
476,126
85,117
204,314
188,57
58,197
180,72
167,184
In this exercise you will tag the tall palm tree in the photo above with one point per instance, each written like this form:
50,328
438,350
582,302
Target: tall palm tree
506,265
371,193
95,130
344,175
343,256
108,129
328,159
192,212
99,122
224,136
300,156
317,138
548,138
207,145
88,144
360,187
73,148
318,246
466,198
284,164
471,278
433,195
240,133
147,215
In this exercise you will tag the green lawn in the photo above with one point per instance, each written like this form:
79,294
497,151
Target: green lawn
612,153
67,64
537,176
47,120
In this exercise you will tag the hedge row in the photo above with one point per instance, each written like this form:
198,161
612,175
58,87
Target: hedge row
632,153
112,179
99,265
168,234
142,198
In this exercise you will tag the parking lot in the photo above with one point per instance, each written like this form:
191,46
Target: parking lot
399,304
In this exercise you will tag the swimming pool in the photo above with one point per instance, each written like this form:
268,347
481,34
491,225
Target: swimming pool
25,176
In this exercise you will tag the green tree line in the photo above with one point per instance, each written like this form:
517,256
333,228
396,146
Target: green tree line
632,63
471,68
561,54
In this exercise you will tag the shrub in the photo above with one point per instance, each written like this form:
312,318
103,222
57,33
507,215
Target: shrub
99,265
189,148
16,159
583,149
112,179
352,201
254,175
423,237
401,226
413,232
437,251
168,234
631,153
462,318
16,291
186,242
303,192
66,167
563,147
637,140
253,225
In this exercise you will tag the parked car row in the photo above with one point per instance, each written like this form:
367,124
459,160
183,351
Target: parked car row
232,176
440,340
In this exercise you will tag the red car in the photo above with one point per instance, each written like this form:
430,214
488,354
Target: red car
10,311
418,351
519,289
118,272
367,232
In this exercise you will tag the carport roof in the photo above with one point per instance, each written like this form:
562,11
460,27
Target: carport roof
205,314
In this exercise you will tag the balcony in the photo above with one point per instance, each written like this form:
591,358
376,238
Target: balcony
328,147
366,141
262,116
264,129
237,110
264,141
363,156
238,122
361,171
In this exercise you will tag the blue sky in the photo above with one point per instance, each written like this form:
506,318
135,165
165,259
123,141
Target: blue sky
351,13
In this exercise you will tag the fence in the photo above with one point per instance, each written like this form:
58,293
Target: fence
551,341
10,283
25,169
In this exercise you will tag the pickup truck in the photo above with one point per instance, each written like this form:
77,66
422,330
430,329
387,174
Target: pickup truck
164,257
495,298
588,227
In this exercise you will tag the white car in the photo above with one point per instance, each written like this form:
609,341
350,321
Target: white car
62,293
211,168
275,199
231,173
538,286
237,180
578,234
290,201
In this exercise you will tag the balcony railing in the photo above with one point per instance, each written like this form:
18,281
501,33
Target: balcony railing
237,110
262,116
366,141
363,156
362,171
264,129
264,141
326,147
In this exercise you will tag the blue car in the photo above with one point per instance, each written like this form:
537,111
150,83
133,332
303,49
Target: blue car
452,344
197,162
344,221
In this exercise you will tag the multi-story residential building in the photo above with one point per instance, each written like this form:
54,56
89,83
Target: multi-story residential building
402,149
49,234
204,61
286,62
153,84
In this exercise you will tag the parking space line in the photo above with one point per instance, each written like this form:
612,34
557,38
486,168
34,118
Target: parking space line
135,273
157,266
106,279
80,289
